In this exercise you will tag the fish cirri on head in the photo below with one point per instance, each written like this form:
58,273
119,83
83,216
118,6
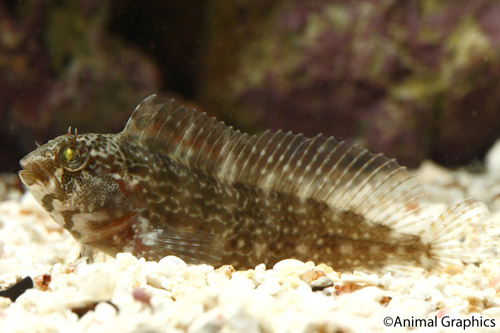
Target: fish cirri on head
178,182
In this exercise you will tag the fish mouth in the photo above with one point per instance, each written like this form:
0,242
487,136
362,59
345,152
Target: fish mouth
32,172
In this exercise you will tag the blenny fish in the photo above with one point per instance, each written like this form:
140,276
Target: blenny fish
178,182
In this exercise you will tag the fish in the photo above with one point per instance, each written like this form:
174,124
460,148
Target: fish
179,182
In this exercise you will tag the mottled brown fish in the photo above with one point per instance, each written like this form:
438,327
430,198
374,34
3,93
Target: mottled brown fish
177,182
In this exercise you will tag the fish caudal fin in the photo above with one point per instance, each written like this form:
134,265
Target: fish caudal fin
460,234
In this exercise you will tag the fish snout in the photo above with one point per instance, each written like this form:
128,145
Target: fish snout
33,171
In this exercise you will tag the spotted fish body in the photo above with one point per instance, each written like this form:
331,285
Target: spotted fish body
177,182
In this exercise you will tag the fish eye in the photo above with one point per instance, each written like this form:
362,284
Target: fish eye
73,157
70,154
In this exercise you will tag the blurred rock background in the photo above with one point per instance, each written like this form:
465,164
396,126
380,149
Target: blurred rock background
414,80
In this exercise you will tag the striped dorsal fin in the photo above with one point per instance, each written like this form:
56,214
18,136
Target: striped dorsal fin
346,177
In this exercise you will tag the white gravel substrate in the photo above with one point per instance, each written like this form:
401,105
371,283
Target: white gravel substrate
126,294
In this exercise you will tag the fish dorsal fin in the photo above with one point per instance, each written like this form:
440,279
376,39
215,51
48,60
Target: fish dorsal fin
189,137
344,176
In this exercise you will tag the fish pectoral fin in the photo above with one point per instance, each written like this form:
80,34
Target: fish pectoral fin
192,246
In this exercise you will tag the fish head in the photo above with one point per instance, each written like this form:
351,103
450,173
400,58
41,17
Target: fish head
81,181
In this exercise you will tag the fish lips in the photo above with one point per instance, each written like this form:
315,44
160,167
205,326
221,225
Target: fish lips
32,172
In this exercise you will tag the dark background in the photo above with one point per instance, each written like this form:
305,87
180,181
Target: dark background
414,80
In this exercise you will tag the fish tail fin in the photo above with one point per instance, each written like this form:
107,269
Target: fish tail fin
460,234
